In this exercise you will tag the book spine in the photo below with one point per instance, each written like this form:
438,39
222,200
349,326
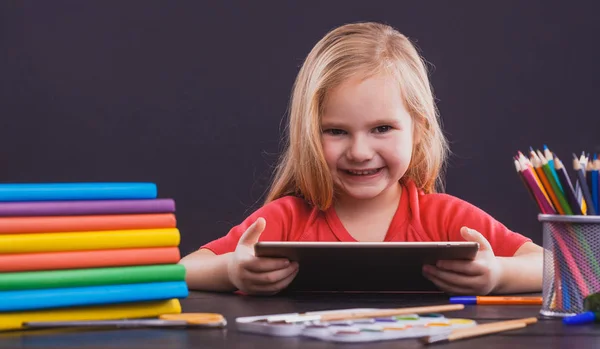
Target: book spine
18,262
15,320
88,240
76,191
89,207
23,225
91,277
93,295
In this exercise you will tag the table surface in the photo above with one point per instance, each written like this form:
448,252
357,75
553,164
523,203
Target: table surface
547,333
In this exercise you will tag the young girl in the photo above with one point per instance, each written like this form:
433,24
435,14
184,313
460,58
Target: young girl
362,163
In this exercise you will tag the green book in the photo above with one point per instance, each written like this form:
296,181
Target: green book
91,277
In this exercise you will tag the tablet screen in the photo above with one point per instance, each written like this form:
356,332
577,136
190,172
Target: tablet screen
364,266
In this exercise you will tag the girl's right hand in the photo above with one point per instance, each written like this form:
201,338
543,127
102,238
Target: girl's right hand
258,275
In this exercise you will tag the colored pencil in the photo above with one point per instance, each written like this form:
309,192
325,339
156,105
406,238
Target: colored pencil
579,195
566,184
528,174
550,158
595,183
584,187
555,188
547,178
588,168
526,164
518,168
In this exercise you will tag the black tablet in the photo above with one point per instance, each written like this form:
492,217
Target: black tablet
364,266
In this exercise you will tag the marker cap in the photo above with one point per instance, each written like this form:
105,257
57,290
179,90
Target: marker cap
467,300
580,319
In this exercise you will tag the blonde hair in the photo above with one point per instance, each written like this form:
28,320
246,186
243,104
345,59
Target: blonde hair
367,49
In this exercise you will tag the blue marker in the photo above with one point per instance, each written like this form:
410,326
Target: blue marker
581,319
466,300
496,300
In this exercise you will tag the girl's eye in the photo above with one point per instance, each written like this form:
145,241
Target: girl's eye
382,129
334,132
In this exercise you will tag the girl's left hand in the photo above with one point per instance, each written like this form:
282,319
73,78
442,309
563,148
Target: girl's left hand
479,276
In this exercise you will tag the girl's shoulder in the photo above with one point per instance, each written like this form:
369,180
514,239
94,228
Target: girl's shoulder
439,202
287,205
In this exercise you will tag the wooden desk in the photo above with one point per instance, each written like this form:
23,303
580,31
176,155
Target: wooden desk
547,333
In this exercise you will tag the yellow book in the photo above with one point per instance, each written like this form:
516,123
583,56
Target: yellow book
14,321
88,240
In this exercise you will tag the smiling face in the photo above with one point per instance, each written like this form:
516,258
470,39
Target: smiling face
367,137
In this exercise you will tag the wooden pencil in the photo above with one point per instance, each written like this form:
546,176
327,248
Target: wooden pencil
584,187
579,187
526,164
528,174
547,180
595,187
352,315
566,184
566,208
589,167
479,330
550,158
518,168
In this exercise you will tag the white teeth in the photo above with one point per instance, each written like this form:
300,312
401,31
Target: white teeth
362,173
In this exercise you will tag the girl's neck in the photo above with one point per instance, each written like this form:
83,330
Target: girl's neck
387,200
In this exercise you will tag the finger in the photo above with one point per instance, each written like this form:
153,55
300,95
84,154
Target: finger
446,286
475,236
265,264
278,286
450,278
469,268
271,277
251,235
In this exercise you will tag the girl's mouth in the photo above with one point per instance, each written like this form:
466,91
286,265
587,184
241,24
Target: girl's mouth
367,172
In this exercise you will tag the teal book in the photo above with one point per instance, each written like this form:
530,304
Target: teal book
12,192
23,300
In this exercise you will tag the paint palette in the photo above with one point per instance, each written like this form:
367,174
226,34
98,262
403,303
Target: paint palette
360,330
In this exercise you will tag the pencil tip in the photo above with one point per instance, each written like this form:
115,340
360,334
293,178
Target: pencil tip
545,147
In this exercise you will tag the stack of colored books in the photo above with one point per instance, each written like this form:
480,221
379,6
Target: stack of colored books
87,251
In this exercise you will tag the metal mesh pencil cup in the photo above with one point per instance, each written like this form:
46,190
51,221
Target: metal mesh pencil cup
571,262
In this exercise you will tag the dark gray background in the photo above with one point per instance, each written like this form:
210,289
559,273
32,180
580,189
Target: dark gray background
191,94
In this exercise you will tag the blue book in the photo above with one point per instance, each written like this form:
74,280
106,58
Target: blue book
77,191
91,295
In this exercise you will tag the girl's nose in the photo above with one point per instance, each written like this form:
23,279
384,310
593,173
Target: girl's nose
359,150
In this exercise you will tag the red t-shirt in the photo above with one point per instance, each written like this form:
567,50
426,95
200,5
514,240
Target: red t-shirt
419,217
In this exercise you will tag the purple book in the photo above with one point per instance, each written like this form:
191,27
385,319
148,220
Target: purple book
87,207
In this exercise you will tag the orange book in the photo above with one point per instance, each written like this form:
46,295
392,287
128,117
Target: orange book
50,224
88,259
